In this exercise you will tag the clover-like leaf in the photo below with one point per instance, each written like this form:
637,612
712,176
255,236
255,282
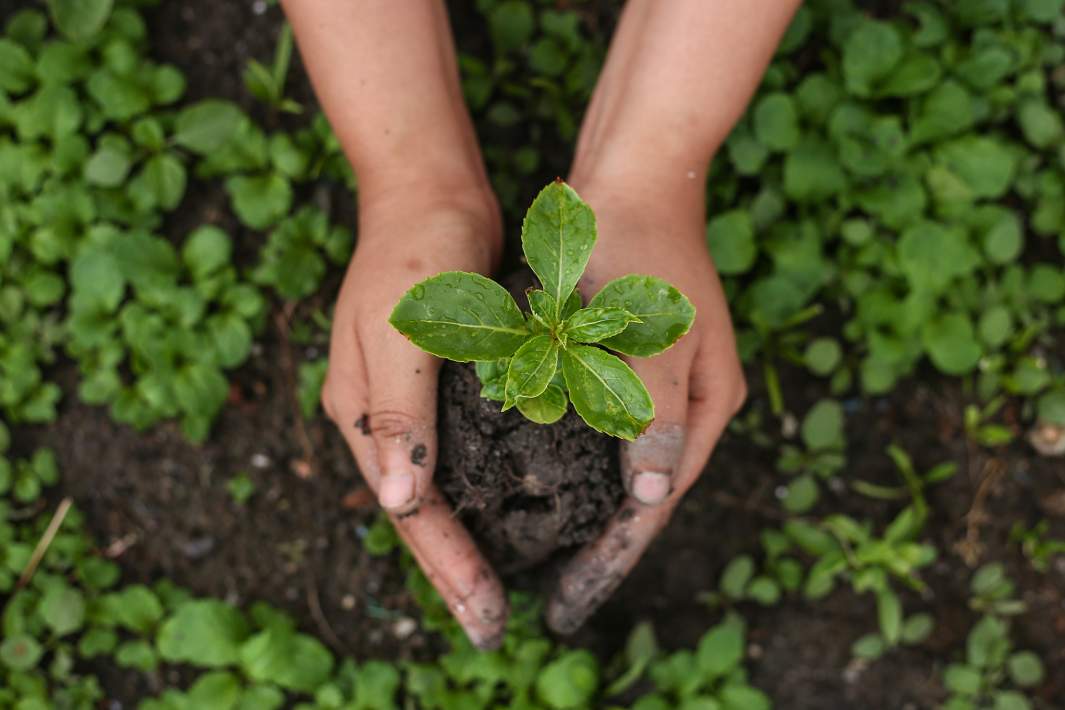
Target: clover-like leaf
664,314
547,408
590,325
461,316
557,236
531,369
606,392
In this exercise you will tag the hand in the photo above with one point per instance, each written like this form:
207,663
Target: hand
697,385
381,391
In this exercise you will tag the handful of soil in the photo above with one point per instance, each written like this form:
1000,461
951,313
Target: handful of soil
524,490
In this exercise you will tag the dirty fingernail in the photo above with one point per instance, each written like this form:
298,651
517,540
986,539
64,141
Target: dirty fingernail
396,490
650,487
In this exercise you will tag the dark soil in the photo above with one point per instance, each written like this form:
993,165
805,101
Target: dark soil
523,489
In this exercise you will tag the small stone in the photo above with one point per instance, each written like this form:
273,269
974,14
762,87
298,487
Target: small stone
260,461
404,627
789,425
347,602
258,7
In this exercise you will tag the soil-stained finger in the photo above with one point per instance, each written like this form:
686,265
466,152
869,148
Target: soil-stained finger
595,572
450,559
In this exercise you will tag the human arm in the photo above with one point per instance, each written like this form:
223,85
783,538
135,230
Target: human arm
386,76
678,76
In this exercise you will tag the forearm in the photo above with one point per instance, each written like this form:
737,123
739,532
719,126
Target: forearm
386,76
678,76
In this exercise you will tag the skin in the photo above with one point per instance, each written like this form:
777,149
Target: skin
677,77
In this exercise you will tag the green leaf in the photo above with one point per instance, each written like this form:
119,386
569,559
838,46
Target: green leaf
869,647
547,408
664,314
1026,669
204,633
16,67
962,679
822,356
570,681
207,126
730,236
531,369
951,343
511,24
984,164
63,609
1044,11
493,377
946,111
137,654
260,200
743,697
1004,239
293,661
20,652
932,256
461,316
870,53
606,392
108,166
721,648
764,590
776,122
1010,700
918,72
136,608
916,629
218,690
812,171
120,97
162,180
543,307
206,250
1042,126
591,325
557,236
988,643
79,19
889,613
801,495
736,575
822,427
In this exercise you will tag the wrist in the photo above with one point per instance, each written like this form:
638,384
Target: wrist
469,206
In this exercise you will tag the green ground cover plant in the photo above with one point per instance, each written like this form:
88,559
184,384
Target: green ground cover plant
542,362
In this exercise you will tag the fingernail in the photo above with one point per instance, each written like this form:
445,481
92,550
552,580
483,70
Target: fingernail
650,487
397,490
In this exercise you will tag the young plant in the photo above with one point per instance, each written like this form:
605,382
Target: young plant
534,361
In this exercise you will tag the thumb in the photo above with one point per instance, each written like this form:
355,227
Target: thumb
648,465
402,421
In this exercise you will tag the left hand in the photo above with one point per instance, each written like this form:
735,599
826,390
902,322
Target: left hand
697,385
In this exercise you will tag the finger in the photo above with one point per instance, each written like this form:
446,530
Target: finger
440,544
716,389
402,419
450,559
649,464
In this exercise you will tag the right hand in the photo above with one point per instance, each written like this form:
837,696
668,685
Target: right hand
380,390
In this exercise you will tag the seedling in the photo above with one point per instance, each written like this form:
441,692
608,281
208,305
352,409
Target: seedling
541,361
268,84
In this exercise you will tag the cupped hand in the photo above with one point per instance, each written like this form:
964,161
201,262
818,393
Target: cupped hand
381,391
697,385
